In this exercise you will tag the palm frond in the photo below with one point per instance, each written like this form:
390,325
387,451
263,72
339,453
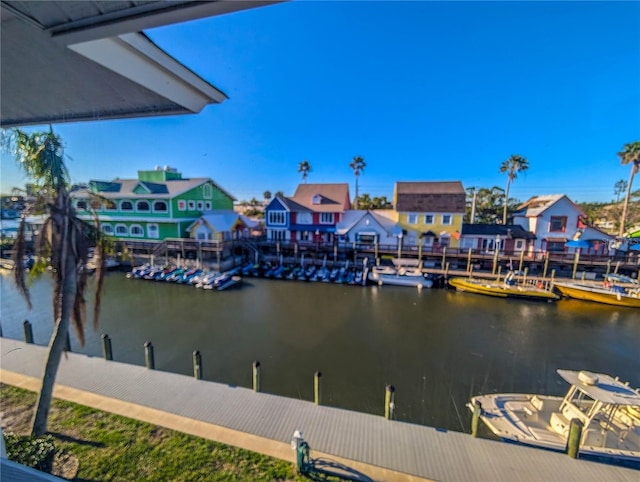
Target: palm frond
20,247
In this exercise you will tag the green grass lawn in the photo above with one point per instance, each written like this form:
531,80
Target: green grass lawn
115,448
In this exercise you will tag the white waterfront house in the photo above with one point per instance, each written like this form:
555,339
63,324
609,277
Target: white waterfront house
368,227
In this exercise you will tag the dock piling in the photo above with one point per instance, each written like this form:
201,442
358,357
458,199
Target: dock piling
256,376
573,442
469,260
521,260
28,331
317,388
106,347
475,420
67,343
149,359
546,264
389,405
197,365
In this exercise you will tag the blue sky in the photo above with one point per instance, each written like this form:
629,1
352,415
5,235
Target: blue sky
423,91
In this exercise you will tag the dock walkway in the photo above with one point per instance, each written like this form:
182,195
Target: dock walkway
369,444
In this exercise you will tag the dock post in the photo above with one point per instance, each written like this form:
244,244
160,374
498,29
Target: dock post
608,266
67,343
575,434
553,277
499,274
317,388
524,277
546,264
256,376
106,347
576,260
615,271
149,359
469,260
521,260
28,331
477,411
584,276
446,270
444,257
388,402
197,365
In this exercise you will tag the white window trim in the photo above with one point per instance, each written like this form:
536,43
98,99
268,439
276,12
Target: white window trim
110,210
133,207
324,221
121,226
450,220
272,214
107,225
207,205
409,215
433,218
200,205
207,191
143,210
136,235
306,220
157,231
178,204
153,206
191,205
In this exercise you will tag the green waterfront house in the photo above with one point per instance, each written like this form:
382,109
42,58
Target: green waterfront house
159,204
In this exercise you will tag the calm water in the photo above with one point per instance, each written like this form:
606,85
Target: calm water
437,347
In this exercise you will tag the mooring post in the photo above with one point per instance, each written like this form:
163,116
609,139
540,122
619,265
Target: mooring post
388,402
469,260
553,277
446,270
149,359
67,343
444,257
28,331
524,278
546,264
106,347
608,266
477,411
521,260
575,434
317,388
499,274
197,365
615,271
256,376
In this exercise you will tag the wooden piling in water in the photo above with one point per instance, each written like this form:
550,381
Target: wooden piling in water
469,260
475,420
521,260
149,359
317,388
197,365
256,376
575,434
388,401
28,331
106,347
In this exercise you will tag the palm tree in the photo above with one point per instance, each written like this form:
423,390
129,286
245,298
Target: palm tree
267,195
630,154
618,188
304,168
512,167
358,166
64,240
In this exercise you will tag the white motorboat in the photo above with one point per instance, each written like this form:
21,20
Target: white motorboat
608,409
387,275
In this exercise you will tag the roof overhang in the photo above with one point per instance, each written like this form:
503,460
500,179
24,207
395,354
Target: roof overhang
64,61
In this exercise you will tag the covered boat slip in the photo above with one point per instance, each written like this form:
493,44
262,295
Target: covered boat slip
608,409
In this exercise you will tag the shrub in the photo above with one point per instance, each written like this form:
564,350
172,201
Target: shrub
35,452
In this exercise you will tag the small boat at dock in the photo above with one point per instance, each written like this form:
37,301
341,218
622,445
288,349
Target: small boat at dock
615,290
507,289
412,277
608,410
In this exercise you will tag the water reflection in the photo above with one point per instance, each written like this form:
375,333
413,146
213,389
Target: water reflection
437,347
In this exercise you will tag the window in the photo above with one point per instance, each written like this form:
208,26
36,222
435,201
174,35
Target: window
121,230
182,205
446,219
107,229
81,205
558,224
304,218
278,235
126,206
110,205
206,191
207,205
95,204
428,219
191,205
412,218
200,205
555,246
519,244
142,206
326,218
317,199
152,231
160,206
445,241
136,230
277,218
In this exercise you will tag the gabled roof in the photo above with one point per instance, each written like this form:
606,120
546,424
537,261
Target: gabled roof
351,218
430,187
536,205
287,203
126,188
504,230
223,221
333,197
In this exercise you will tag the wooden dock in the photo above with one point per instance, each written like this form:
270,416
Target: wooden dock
370,445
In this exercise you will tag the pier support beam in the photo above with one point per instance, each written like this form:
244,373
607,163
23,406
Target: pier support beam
197,365
28,331
149,359
256,377
475,420
317,388
106,347
389,404
575,434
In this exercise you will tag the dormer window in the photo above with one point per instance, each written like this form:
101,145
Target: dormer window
316,199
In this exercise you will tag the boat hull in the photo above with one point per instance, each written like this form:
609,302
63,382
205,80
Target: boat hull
502,291
597,295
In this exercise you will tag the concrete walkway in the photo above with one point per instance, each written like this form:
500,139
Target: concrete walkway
369,445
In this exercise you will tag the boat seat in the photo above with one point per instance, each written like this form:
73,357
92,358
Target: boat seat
559,423
593,437
537,403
